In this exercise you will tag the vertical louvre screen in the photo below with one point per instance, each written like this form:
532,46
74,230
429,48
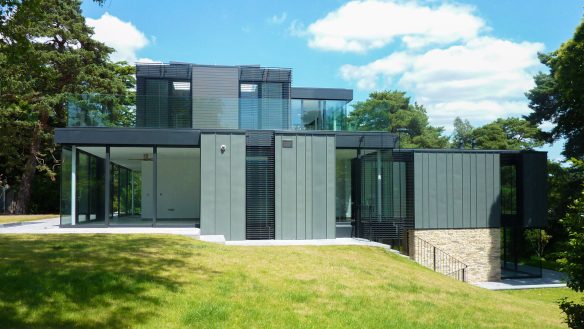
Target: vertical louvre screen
260,180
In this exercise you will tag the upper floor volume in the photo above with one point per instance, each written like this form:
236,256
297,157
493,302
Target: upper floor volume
182,95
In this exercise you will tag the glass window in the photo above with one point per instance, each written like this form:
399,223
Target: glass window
312,114
508,190
131,188
66,185
90,185
344,200
334,114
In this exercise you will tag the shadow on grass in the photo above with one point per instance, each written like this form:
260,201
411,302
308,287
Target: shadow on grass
103,281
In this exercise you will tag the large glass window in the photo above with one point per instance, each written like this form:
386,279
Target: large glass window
131,188
263,105
335,113
344,201
164,103
90,185
312,114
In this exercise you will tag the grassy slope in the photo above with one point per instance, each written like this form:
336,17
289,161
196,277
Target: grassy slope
546,296
120,281
23,218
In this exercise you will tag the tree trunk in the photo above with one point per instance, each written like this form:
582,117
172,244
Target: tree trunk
25,188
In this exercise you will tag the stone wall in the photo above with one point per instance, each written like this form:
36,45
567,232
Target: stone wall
480,249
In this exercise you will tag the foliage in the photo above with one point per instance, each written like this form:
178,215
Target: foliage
462,136
392,111
537,240
573,261
161,281
558,96
564,186
507,134
574,313
47,54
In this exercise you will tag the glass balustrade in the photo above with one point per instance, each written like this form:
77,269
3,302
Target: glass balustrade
155,111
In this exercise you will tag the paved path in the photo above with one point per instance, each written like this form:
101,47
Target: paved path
549,279
51,226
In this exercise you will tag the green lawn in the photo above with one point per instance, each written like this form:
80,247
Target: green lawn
546,296
23,218
147,281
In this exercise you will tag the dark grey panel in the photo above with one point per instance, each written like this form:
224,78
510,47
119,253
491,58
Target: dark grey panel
368,140
534,177
322,93
456,190
127,136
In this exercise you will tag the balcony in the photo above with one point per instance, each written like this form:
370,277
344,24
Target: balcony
155,111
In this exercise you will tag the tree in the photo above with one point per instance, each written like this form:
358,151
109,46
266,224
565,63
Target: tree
507,134
558,96
392,110
573,261
46,54
462,136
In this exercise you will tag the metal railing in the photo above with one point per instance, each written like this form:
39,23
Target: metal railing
430,256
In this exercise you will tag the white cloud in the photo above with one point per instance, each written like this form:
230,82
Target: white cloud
296,28
359,26
480,80
278,19
124,37
146,60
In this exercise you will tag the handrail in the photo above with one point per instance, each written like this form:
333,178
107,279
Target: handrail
430,256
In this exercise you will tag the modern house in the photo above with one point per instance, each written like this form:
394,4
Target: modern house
237,151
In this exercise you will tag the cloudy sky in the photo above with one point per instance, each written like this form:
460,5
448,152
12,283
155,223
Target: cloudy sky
473,59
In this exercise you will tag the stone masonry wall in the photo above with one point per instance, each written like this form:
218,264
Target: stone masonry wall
480,249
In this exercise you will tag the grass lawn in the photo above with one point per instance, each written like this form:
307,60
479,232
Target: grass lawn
147,281
23,218
546,296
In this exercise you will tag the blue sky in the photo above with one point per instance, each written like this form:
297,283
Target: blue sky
473,59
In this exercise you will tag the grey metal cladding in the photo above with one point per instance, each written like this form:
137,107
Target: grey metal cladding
322,93
223,185
534,178
129,136
305,187
456,189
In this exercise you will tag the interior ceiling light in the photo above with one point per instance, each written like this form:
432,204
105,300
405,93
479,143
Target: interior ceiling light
177,85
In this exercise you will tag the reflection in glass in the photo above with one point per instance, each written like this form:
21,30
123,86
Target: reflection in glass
90,193
131,179
311,114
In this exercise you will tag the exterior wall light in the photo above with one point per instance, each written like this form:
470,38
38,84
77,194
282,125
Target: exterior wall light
223,148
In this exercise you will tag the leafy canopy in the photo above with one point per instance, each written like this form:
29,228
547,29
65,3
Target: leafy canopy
558,96
47,54
392,111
